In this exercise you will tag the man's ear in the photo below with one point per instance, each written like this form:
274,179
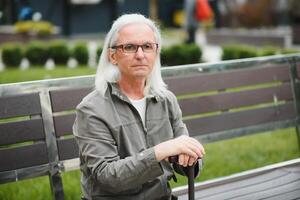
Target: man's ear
112,56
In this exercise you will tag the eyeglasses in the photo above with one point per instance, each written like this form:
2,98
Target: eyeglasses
133,48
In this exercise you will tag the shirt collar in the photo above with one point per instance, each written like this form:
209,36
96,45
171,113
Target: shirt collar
115,90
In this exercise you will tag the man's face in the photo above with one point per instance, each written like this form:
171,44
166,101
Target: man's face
133,64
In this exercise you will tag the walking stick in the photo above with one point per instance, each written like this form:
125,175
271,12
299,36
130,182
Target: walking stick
191,186
190,175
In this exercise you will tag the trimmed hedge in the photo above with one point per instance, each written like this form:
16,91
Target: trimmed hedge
80,53
238,51
180,54
12,54
37,53
288,51
59,52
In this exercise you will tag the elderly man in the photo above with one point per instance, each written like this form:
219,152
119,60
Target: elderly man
130,125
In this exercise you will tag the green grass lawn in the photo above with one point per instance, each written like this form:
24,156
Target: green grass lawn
222,158
249,152
39,73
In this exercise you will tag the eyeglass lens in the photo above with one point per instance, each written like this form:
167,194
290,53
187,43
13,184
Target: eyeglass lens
133,48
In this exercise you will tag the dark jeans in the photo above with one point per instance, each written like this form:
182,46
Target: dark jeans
191,36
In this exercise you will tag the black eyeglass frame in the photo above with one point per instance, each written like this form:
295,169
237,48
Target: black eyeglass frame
121,46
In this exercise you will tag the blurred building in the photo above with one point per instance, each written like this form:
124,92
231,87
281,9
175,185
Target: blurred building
94,16
85,16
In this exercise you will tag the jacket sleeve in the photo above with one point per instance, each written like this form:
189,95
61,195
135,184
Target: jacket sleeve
99,154
179,128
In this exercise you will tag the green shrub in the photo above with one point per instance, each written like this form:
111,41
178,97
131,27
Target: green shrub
248,52
59,52
34,27
169,55
230,52
238,51
268,51
37,53
194,53
181,54
80,53
288,51
12,54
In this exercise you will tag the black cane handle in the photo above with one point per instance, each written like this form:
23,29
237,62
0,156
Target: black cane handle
173,159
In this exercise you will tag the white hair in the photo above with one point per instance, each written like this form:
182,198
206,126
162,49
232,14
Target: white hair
108,72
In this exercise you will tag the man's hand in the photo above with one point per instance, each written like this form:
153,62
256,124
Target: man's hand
188,149
186,160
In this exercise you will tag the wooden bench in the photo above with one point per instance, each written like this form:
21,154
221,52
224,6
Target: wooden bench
219,101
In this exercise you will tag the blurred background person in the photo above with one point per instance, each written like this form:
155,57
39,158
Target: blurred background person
25,10
214,4
191,24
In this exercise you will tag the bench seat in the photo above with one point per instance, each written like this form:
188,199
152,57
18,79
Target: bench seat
274,182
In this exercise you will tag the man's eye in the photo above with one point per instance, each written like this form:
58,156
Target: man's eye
147,46
129,47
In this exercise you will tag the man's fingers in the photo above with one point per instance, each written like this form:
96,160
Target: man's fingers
186,160
197,146
191,161
181,159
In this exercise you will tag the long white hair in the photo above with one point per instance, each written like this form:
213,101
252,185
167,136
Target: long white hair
108,72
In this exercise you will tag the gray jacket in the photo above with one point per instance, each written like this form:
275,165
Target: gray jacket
117,158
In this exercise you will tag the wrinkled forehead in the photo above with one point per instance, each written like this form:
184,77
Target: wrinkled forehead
135,32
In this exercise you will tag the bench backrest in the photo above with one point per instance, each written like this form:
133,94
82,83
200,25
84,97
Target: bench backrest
63,103
27,146
22,137
231,103
215,106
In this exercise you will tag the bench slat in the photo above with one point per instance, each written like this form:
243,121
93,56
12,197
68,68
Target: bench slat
225,101
24,173
227,79
21,131
227,121
289,194
276,181
67,149
67,99
267,189
238,188
20,105
25,156
63,124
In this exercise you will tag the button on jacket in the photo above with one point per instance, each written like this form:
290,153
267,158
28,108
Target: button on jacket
117,157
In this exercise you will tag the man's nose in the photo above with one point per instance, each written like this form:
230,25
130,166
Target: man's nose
140,52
